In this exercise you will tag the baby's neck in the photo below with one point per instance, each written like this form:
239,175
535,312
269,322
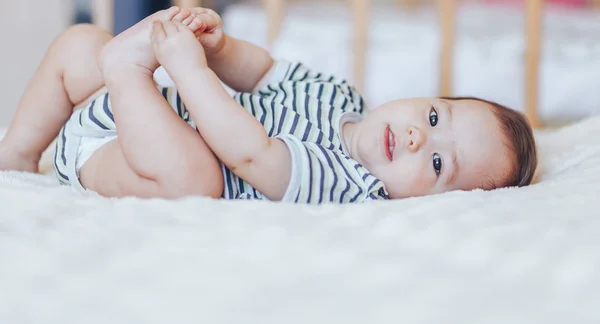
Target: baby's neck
350,133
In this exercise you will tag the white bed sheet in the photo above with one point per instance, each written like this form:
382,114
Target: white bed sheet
402,57
526,255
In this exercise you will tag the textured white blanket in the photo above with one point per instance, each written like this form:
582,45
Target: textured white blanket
529,255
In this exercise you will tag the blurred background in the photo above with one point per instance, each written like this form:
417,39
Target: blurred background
402,48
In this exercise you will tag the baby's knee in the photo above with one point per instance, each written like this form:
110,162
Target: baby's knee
80,38
207,182
198,180
83,32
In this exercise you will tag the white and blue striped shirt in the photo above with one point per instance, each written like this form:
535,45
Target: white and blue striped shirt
306,110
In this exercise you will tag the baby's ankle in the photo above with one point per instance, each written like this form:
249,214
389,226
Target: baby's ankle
124,71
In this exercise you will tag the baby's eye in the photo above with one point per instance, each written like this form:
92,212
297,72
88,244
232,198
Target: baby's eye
433,117
437,164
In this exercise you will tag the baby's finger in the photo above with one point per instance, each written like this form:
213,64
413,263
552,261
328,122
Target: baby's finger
199,10
210,19
197,25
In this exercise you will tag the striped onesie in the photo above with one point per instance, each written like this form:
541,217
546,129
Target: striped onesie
305,109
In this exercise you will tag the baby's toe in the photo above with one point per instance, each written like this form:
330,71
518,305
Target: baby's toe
168,14
188,20
158,32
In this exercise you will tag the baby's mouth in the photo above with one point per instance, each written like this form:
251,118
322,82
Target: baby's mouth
389,143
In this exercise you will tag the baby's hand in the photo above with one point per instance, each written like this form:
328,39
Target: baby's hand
210,34
176,47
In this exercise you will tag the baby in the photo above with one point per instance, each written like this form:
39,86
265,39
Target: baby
288,134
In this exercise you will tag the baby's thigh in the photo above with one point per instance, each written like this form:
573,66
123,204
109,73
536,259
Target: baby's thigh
108,173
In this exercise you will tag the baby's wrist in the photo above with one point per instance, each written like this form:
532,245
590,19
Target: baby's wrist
218,51
193,74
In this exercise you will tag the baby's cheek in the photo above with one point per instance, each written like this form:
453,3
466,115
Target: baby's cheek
400,179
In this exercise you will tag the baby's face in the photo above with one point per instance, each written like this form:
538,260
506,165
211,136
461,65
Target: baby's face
424,146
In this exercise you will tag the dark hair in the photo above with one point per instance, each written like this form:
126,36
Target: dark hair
519,142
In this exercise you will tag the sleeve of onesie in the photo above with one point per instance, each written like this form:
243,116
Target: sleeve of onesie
286,72
320,175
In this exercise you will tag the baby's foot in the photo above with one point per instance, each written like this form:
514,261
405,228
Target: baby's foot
12,160
132,47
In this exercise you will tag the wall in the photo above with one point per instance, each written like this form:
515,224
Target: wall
27,27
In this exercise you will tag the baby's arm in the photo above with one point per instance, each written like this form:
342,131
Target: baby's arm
239,64
233,134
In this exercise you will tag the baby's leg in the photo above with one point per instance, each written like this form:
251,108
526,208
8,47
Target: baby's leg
156,154
67,75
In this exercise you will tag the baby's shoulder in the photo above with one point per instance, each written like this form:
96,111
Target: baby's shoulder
336,95
339,177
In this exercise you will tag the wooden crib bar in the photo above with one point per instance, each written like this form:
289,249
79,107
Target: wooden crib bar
275,13
103,16
532,59
187,3
361,12
447,13
533,28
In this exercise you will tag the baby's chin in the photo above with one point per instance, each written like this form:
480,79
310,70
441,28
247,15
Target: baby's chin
393,195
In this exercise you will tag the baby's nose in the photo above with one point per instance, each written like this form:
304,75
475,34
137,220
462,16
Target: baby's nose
417,138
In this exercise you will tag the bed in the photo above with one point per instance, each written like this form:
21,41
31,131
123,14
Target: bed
527,255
